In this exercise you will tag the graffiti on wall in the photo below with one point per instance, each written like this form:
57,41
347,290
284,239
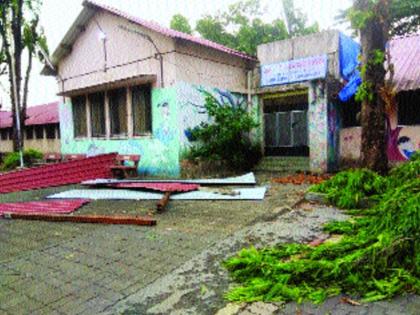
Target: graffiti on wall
159,152
192,111
402,141
318,128
399,147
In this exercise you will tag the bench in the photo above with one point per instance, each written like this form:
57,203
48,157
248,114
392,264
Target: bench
122,170
52,157
73,157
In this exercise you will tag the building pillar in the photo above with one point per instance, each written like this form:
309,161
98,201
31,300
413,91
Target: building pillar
318,126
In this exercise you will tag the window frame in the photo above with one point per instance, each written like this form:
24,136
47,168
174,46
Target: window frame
107,123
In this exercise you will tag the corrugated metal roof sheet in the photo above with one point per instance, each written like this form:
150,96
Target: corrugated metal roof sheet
172,187
50,206
58,174
405,55
37,115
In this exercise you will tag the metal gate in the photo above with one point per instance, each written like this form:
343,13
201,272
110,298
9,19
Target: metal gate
286,129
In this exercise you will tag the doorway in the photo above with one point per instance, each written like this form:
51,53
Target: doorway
286,124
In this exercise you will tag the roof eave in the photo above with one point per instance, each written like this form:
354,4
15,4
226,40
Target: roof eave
64,47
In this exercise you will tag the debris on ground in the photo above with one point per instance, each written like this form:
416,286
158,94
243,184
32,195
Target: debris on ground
102,219
45,207
376,258
256,193
246,179
301,178
57,174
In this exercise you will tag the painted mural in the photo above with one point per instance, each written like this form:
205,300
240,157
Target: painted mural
159,152
333,137
192,110
403,141
318,126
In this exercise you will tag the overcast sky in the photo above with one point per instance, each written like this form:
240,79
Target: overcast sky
58,15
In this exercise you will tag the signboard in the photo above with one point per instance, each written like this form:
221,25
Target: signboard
296,70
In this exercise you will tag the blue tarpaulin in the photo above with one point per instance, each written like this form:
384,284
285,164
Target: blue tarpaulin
349,52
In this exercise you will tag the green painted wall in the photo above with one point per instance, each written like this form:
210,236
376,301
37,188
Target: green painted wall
174,110
159,152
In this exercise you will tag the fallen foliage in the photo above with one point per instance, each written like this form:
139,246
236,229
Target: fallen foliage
377,256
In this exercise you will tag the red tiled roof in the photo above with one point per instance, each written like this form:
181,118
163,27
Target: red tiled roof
170,32
405,55
37,115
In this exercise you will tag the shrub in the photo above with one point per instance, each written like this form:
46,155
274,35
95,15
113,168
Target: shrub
226,137
12,160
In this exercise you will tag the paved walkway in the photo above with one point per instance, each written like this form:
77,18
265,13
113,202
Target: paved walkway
197,287
173,268
67,268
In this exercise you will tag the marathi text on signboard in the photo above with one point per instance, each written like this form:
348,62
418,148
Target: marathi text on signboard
294,71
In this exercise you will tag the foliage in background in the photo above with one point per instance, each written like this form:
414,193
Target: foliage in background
20,37
12,160
404,17
242,25
180,23
377,257
226,137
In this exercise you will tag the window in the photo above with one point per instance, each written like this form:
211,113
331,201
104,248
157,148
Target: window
118,112
350,113
29,132
4,134
142,113
108,113
79,116
97,114
408,108
39,132
50,131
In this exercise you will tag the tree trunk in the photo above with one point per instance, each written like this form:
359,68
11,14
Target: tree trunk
374,36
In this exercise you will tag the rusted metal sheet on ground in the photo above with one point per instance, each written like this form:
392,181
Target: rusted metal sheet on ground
49,206
58,174
164,187
246,179
101,219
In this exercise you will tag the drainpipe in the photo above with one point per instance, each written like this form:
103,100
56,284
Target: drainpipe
249,85
158,54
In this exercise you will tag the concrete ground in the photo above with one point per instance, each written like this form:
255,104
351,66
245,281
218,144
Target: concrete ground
67,268
173,268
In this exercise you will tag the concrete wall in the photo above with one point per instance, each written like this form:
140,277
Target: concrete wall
402,141
174,111
182,61
43,145
326,42
201,66
159,151
128,55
